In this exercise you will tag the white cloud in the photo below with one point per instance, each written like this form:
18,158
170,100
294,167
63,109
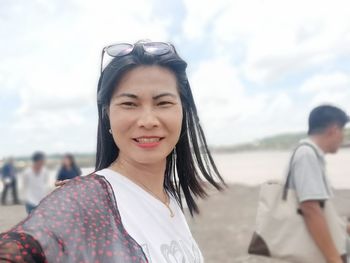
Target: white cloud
223,102
200,15
280,37
231,113
50,53
268,42
328,88
50,59
337,81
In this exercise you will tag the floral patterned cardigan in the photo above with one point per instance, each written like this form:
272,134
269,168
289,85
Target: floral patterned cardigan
78,222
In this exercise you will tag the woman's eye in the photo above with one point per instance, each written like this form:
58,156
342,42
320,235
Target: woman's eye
165,103
128,104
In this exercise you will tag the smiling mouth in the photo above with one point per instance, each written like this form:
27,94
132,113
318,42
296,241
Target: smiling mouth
148,140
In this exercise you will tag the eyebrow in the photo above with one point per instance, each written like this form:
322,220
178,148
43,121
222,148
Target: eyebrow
133,96
164,95
129,95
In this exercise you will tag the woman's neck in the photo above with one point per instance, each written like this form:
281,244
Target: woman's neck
150,176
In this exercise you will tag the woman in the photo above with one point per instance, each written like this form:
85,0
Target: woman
151,150
68,170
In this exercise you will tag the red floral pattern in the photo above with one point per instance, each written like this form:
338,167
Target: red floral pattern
78,223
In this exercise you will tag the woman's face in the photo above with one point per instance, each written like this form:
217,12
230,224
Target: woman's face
66,161
146,114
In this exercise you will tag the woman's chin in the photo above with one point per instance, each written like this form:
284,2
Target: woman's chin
151,158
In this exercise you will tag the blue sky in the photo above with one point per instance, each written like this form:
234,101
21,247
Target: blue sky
256,67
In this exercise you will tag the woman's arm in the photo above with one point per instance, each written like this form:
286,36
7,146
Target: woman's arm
59,175
59,181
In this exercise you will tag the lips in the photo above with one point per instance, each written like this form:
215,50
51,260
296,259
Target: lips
148,141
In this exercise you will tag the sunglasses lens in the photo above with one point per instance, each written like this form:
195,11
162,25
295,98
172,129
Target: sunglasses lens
156,48
119,50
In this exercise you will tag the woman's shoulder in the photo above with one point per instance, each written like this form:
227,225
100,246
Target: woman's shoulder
82,184
77,197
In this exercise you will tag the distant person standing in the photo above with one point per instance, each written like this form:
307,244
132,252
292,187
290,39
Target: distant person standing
35,181
68,170
10,181
308,177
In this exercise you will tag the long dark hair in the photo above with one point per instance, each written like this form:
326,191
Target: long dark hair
73,164
191,157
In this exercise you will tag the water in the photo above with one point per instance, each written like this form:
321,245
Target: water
254,168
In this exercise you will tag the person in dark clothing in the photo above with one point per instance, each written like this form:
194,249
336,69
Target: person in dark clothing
68,170
10,182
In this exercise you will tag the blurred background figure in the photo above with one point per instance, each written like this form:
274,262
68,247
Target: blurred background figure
68,170
35,182
8,176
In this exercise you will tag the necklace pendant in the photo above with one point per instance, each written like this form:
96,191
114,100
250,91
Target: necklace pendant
172,214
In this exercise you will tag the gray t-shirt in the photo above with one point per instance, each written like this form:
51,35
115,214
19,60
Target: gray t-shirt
308,176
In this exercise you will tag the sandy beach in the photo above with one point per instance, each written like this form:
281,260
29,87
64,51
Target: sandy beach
226,223
224,227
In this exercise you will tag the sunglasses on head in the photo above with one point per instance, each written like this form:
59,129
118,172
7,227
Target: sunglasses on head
123,49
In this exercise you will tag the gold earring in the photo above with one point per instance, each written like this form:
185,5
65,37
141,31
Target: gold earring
110,131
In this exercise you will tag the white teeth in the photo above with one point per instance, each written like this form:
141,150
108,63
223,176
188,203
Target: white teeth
148,140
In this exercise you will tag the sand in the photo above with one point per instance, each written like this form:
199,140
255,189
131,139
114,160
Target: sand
222,230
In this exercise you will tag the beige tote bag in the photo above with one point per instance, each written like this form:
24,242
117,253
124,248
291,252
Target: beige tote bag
280,228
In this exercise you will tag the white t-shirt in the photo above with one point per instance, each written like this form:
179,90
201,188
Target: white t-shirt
36,185
308,176
164,239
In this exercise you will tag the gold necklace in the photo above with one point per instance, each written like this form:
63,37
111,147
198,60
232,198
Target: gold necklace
166,203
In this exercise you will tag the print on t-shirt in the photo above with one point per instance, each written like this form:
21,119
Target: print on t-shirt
176,252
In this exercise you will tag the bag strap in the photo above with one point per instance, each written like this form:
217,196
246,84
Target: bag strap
285,188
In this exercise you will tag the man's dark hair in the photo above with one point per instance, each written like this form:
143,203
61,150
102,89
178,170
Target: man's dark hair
38,156
323,116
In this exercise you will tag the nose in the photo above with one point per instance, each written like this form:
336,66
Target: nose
148,119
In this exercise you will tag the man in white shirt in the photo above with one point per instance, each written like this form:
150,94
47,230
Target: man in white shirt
35,181
308,177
